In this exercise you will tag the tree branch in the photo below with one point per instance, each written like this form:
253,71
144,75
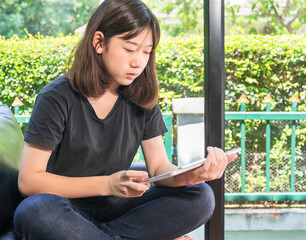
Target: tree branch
276,15
286,9
271,15
275,10
297,16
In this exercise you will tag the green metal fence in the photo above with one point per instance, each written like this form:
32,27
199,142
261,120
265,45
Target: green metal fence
267,195
239,193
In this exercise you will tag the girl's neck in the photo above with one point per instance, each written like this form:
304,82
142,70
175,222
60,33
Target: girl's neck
113,89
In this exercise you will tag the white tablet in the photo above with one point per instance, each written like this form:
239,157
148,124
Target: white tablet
185,168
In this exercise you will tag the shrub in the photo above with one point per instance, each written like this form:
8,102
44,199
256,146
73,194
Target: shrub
255,65
27,65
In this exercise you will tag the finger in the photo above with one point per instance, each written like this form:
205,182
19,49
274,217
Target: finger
136,176
219,156
215,160
210,158
217,164
222,161
148,185
134,173
134,193
137,179
139,187
231,157
129,192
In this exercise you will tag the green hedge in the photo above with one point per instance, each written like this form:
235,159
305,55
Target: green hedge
27,65
255,65
180,67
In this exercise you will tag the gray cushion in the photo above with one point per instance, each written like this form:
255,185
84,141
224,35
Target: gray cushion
11,145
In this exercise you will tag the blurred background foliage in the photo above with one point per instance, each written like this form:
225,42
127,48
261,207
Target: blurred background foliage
265,16
47,17
241,16
53,17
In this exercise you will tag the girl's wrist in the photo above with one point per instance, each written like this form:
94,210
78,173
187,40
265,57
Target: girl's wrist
104,186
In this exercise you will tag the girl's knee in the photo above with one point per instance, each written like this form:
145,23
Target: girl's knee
206,194
202,203
207,201
36,210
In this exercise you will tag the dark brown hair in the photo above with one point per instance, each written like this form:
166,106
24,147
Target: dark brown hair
88,75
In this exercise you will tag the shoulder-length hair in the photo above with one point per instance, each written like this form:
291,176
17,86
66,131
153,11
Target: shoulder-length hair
88,75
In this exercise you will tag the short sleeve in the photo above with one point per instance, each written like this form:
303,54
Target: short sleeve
47,122
154,123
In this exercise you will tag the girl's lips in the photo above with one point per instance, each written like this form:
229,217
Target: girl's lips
131,75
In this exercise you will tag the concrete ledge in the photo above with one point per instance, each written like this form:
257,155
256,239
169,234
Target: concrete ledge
265,235
188,105
265,219
262,224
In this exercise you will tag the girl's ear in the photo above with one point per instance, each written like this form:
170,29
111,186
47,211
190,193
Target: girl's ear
97,42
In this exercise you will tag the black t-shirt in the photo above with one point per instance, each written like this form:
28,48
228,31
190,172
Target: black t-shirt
82,144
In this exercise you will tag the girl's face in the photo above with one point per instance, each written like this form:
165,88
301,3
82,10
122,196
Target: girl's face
126,59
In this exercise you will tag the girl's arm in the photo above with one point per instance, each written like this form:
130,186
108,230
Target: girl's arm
34,179
158,163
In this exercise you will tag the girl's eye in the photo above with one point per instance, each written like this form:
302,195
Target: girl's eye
147,53
129,50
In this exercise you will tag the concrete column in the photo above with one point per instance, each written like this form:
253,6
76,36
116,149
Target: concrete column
190,129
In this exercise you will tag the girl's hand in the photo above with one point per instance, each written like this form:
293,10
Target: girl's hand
125,184
212,169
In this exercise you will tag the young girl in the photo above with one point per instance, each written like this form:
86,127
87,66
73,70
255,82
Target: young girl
84,131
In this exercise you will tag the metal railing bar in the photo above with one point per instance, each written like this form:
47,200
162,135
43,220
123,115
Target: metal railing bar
282,196
265,115
292,178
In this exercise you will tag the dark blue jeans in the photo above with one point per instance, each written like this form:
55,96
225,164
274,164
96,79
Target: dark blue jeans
161,213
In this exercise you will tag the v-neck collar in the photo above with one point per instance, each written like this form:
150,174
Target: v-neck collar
93,112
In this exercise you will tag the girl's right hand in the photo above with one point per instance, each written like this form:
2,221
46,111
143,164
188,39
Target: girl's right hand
126,184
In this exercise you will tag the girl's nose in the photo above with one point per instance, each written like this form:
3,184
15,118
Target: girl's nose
136,61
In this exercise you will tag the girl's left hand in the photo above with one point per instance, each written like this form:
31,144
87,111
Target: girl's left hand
212,169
